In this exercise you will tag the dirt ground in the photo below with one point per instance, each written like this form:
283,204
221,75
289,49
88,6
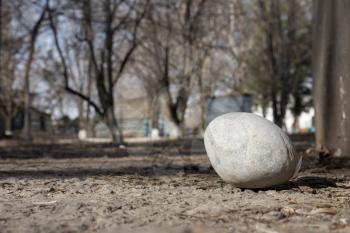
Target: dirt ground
160,188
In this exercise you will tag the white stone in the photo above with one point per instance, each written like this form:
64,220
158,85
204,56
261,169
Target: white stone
249,151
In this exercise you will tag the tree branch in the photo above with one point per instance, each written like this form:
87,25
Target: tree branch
65,69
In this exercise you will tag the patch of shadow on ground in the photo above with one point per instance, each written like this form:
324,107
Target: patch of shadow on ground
88,150
86,172
187,146
314,182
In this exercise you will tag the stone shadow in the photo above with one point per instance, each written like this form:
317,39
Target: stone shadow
313,182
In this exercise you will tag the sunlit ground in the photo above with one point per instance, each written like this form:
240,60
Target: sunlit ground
150,187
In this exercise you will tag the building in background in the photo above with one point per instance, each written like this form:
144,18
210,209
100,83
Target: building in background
224,104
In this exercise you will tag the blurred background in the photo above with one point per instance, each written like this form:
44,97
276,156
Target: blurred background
129,70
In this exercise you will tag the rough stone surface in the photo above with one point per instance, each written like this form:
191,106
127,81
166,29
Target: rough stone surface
250,151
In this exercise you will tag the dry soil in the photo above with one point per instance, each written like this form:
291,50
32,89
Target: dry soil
160,188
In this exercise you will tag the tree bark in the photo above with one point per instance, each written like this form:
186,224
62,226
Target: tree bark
331,71
0,37
113,126
155,112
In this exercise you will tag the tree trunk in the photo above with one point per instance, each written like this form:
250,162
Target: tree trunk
203,123
27,98
296,125
331,71
8,125
264,110
113,126
155,112
177,131
278,119
0,38
27,128
203,104
89,122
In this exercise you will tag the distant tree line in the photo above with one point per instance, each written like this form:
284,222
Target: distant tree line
180,49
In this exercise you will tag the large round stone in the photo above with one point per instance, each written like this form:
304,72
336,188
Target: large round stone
249,151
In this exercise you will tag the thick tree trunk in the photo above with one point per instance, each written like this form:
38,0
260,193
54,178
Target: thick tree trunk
155,112
0,38
113,126
278,120
331,67
174,116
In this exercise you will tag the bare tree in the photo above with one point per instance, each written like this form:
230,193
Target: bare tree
173,40
280,51
10,46
117,22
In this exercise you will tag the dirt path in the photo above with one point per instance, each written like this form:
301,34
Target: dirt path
157,191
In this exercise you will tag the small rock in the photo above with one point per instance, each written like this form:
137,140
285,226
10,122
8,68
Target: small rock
287,211
344,221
